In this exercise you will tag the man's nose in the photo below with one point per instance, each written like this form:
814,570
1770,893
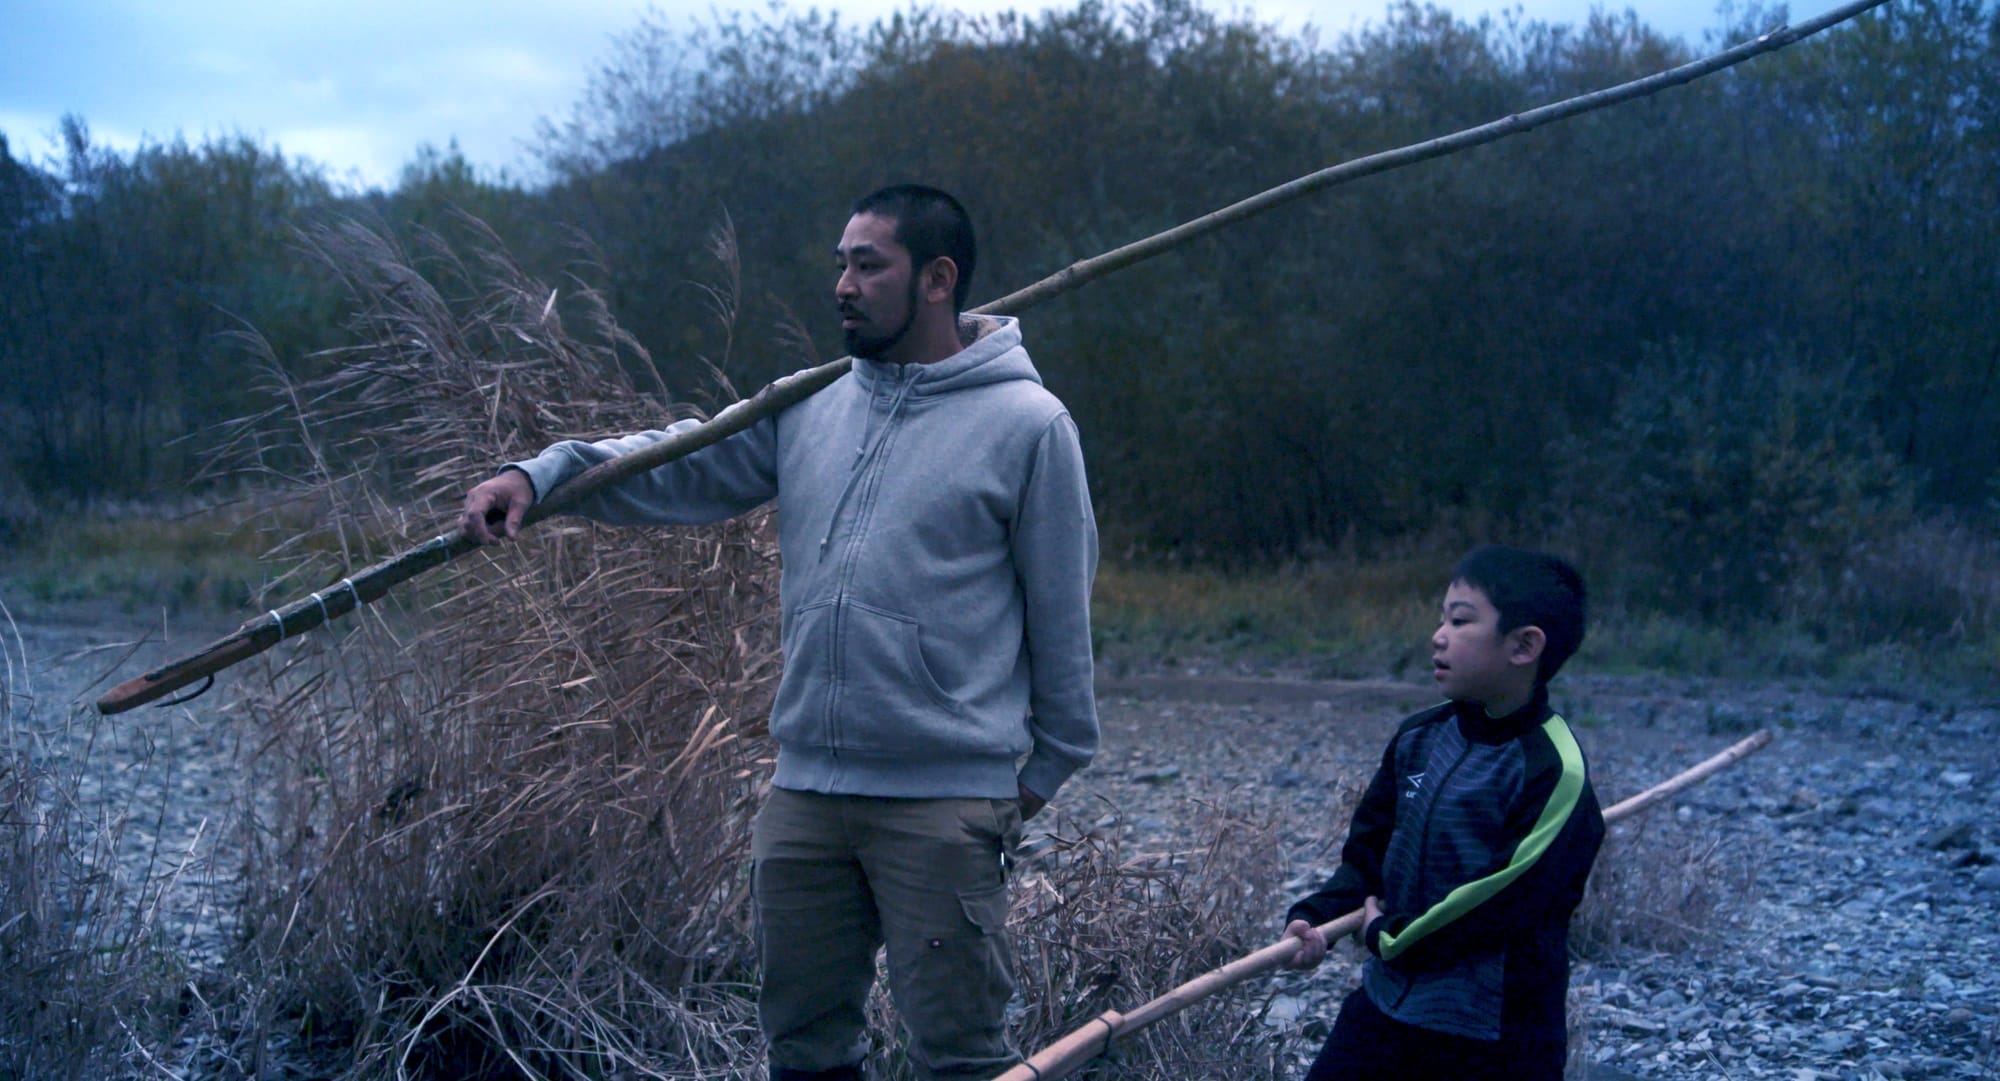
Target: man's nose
844,287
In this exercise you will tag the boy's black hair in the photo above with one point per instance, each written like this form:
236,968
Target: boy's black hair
1530,589
929,223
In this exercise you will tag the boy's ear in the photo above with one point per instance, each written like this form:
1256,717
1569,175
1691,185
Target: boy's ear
1525,645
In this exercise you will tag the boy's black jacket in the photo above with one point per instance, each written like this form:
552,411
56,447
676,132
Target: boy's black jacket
1476,834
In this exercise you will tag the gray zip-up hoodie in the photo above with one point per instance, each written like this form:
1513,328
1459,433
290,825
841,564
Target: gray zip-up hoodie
938,549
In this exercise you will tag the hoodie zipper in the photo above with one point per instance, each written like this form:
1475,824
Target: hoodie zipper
867,464
864,454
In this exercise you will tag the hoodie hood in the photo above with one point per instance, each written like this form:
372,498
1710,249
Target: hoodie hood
992,354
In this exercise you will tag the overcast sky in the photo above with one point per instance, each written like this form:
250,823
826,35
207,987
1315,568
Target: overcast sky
359,85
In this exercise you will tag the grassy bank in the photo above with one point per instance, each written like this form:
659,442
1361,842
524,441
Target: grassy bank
197,556
1339,617
1349,618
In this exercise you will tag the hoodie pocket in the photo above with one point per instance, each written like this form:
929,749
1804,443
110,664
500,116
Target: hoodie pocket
856,680
883,671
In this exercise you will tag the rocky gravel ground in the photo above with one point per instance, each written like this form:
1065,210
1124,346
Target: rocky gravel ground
157,788
1853,867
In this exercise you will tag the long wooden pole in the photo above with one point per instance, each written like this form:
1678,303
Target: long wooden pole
262,632
1096,1036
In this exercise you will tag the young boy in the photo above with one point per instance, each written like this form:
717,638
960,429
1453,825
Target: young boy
1469,849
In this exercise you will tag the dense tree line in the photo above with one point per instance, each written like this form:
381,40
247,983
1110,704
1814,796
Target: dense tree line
123,280
1742,324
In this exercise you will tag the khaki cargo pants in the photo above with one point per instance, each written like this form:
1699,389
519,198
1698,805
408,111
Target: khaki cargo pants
836,878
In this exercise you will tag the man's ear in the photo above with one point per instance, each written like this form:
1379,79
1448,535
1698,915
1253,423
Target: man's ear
1525,645
939,280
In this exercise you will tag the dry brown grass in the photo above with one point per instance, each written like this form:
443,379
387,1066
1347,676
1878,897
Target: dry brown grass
88,982
505,812
1660,884
1099,929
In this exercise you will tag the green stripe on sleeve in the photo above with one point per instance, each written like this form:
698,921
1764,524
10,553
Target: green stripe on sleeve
1471,895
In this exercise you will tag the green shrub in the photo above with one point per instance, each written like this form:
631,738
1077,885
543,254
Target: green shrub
1728,485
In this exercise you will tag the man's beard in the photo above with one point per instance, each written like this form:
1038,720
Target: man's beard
860,344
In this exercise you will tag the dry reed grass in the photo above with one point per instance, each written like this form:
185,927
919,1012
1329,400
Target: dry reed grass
88,982
505,811
1101,929
1659,885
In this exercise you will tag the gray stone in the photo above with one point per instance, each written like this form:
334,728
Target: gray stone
1905,894
1987,878
1636,1024
1668,999
1283,1010
1948,835
1801,799
1881,809
1286,778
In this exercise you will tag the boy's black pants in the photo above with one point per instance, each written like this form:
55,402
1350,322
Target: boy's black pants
1369,1045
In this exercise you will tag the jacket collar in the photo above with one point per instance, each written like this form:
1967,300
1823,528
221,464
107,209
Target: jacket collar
1477,726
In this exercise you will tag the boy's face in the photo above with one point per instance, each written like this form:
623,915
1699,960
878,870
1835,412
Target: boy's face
1473,662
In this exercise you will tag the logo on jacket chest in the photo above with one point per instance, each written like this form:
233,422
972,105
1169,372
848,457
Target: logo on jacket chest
1415,783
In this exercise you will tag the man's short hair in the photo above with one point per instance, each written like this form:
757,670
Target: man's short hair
1530,588
929,223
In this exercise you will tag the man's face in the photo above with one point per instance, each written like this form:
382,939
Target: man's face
877,290
1470,659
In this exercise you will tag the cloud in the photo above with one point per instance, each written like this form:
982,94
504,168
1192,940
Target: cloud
353,155
360,84
211,62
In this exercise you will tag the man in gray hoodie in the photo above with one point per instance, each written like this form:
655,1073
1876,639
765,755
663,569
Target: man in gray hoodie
938,549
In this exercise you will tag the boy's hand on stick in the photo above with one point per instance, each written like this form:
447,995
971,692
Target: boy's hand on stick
1371,910
494,508
1313,944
